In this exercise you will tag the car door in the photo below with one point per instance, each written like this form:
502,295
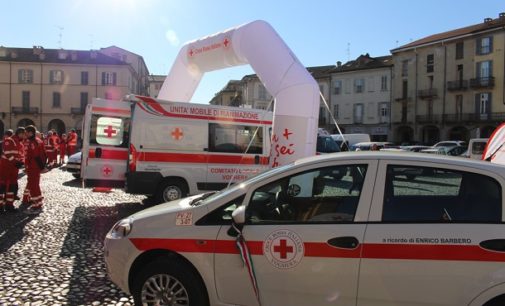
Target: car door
432,239
304,232
105,143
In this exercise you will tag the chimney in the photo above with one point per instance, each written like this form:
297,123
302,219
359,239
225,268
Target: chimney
339,63
37,50
488,20
502,15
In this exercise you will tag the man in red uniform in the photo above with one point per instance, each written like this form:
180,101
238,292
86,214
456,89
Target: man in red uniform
26,193
71,142
56,144
8,162
63,148
50,149
35,164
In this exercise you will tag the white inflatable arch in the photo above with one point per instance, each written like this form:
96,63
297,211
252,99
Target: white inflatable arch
296,93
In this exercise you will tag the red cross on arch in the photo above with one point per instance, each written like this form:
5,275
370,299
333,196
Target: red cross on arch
286,133
283,249
226,42
177,134
109,131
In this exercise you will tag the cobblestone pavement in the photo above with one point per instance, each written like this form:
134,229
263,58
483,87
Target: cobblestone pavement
56,258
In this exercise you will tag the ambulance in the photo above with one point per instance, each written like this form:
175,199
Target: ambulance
168,150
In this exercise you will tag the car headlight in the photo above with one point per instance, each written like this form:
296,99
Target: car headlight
121,229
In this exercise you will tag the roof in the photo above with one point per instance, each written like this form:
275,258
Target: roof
365,61
454,34
157,78
52,56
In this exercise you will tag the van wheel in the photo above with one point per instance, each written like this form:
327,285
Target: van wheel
171,190
168,282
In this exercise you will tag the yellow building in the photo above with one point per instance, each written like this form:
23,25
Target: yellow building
50,88
155,83
450,85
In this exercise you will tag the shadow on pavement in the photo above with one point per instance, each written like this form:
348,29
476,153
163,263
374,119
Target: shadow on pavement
73,183
84,243
12,228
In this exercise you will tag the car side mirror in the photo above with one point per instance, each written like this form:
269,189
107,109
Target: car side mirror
238,215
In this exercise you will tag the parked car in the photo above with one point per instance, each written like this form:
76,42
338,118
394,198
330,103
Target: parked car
367,146
451,151
450,143
441,231
73,165
325,144
476,147
414,148
350,139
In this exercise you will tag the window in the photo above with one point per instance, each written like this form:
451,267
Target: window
459,50
55,76
324,195
384,83
110,131
262,92
484,45
459,106
109,78
222,215
384,112
84,100
335,111
430,61
422,194
26,100
337,87
84,78
56,100
359,85
235,138
405,68
484,69
25,76
358,113
405,87
483,104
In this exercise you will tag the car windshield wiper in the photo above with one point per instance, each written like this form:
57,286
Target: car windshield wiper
198,200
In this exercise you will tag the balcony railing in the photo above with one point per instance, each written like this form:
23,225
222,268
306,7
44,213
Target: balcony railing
24,110
427,93
472,117
401,99
457,85
487,82
428,118
77,110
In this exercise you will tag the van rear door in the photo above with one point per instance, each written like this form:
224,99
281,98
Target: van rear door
105,143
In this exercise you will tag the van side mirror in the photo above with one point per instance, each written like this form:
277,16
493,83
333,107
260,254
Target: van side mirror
238,215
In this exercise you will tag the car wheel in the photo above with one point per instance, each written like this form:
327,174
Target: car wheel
171,190
168,282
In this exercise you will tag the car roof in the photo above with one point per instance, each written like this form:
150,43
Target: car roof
404,157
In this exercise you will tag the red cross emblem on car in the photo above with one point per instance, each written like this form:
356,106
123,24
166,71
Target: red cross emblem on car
177,134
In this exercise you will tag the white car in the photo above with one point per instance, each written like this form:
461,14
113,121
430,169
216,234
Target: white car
435,239
73,165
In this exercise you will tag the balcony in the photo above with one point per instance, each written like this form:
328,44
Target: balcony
24,110
77,110
402,99
457,85
472,117
427,93
428,118
486,82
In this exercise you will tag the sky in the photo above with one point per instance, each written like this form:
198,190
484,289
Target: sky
319,32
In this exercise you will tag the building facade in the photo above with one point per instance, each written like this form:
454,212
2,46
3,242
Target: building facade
450,85
361,95
50,88
155,83
230,95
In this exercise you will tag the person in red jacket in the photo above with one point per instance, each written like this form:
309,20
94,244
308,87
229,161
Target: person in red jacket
26,193
9,165
71,142
19,138
35,162
51,147
63,148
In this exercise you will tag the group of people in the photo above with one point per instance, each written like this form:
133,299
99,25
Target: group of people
35,152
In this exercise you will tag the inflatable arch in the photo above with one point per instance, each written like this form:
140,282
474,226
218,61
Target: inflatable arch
296,93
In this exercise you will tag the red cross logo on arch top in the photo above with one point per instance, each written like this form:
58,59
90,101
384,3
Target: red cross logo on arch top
177,134
226,42
191,52
284,249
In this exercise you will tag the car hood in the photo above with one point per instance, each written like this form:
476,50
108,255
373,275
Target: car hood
75,158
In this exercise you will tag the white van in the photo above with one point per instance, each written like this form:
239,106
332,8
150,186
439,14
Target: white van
169,150
476,147
350,139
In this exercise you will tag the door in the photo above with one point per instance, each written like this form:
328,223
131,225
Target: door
105,143
304,231
434,239
235,153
